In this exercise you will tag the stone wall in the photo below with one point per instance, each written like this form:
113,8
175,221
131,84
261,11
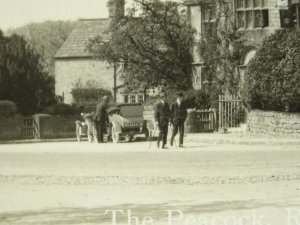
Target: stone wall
56,126
11,128
71,72
274,123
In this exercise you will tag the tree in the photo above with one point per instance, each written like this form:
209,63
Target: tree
272,79
22,79
45,39
154,48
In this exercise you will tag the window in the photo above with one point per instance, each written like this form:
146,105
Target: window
132,99
290,18
208,13
252,14
126,99
141,98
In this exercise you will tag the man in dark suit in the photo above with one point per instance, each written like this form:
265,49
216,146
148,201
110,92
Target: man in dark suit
162,115
101,118
178,117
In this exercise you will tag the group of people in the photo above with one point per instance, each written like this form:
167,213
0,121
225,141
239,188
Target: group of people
97,122
166,116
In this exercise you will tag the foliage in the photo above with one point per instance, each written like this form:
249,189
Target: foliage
61,109
22,79
45,39
116,8
221,48
272,79
7,108
89,95
153,48
198,99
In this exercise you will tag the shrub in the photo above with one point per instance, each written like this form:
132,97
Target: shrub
272,80
61,109
7,108
89,95
197,99
193,98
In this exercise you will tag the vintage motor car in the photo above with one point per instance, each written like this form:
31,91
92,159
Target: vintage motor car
127,121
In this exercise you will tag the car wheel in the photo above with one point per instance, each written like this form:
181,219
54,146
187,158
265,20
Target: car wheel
129,137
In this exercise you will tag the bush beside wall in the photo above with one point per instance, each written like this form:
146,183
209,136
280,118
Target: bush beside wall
272,79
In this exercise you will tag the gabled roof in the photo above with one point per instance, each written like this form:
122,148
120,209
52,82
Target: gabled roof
196,2
75,45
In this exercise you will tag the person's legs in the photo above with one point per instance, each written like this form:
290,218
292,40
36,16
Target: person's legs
78,131
89,130
165,134
181,131
95,133
97,129
160,135
175,131
101,133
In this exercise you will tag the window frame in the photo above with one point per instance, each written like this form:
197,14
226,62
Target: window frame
131,98
140,98
126,97
251,9
209,9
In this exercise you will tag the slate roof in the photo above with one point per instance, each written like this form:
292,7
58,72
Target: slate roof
196,2
75,45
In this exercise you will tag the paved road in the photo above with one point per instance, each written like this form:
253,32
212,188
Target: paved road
74,183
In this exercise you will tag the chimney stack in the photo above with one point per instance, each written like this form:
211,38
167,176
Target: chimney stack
116,8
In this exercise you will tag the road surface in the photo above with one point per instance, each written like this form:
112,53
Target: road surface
76,183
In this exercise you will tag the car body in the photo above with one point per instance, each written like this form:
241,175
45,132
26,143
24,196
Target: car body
133,124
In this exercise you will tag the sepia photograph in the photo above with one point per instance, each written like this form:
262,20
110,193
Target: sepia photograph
150,112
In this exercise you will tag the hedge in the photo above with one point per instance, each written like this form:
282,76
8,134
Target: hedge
272,78
91,95
7,108
193,99
62,110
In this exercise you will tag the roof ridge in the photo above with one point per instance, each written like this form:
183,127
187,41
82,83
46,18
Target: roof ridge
92,19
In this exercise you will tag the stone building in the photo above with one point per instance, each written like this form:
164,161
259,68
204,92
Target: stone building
75,67
253,19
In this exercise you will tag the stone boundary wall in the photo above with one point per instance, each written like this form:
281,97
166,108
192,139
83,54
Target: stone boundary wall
55,126
11,127
274,123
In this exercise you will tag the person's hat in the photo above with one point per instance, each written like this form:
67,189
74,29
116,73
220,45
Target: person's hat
162,94
180,95
105,98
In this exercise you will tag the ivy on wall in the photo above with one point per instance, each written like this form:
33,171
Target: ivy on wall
220,49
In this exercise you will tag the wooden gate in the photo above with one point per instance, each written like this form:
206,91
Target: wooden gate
230,110
29,128
206,120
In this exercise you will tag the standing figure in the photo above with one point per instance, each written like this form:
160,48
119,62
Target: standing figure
162,115
179,114
101,118
91,130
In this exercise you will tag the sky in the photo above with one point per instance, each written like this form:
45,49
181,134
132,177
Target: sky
15,13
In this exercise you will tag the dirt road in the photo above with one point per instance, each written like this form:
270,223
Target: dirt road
75,183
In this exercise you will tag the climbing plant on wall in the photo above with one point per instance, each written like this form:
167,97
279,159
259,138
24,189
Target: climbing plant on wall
220,49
